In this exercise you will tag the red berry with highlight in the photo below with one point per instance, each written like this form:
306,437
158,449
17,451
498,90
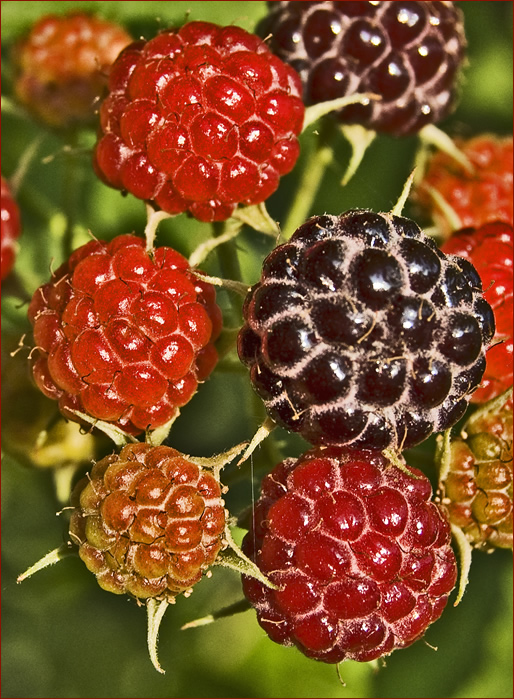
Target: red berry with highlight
490,249
63,64
200,120
122,334
11,229
359,553
148,522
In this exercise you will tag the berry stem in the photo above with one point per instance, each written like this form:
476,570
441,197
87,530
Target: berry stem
153,220
314,167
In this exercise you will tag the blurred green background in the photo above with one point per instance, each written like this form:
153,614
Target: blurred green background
65,637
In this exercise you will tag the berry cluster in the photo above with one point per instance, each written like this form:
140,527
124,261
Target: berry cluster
200,120
360,555
361,331
362,335
124,334
148,522
407,53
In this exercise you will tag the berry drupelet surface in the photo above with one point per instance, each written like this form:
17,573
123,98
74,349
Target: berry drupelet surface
361,331
490,249
148,522
200,119
407,53
122,334
361,556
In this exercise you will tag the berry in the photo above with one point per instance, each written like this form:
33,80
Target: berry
478,198
477,490
11,229
148,522
360,555
62,66
361,331
489,248
122,334
408,53
200,120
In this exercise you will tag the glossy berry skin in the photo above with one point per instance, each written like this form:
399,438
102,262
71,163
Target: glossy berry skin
407,53
200,119
476,492
148,522
490,249
361,331
478,198
122,334
11,229
360,554
62,66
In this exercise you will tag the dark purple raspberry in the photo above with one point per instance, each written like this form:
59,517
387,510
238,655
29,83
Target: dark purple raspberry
361,556
200,120
361,331
409,53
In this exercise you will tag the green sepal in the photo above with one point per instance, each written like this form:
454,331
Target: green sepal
58,554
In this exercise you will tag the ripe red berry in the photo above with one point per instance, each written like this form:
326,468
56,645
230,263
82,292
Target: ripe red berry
124,334
200,120
148,522
63,64
490,249
408,53
361,331
481,197
477,489
360,555
11,229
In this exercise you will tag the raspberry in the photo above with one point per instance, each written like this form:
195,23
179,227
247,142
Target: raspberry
361,331
489,249
11,229
62,66
478,198
122,334
148,522
360,554
477,490
408,53
200,120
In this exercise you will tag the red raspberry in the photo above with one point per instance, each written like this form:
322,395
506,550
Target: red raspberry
361,555
361,331
478,198
408,53
122,334
62,66
477,490
200,120
489,248
148,522
11,229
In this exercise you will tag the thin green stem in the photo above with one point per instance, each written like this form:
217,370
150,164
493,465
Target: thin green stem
230,269
313,171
